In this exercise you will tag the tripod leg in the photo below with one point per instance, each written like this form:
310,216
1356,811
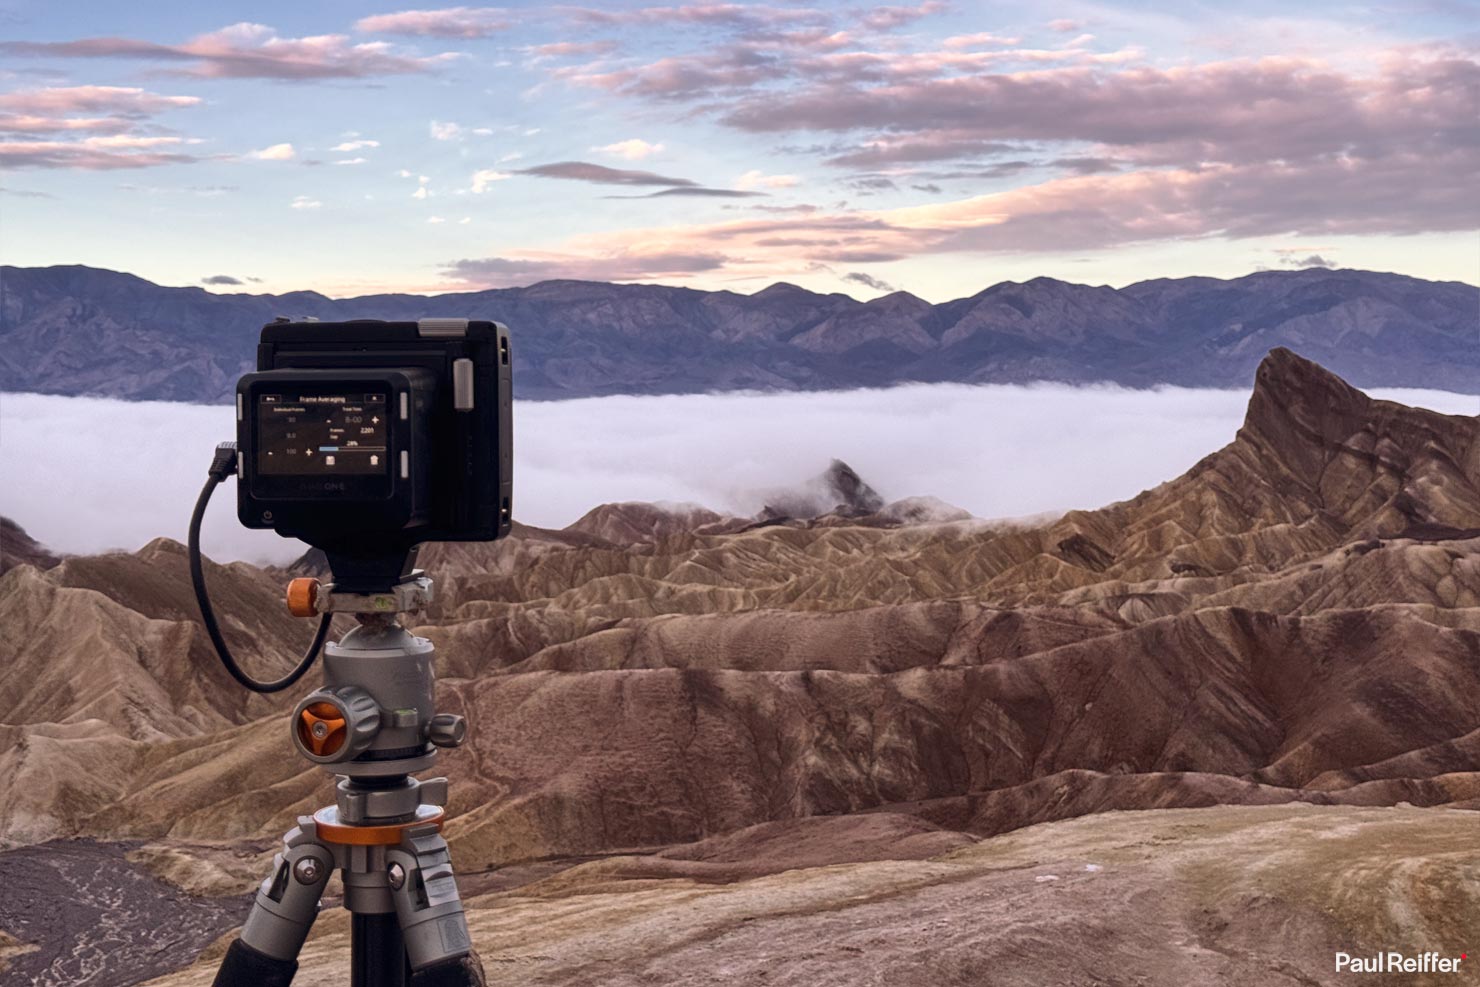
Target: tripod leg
377,955
287,903
431,912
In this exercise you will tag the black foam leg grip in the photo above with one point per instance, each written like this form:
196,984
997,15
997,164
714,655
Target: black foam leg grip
246,967
465,971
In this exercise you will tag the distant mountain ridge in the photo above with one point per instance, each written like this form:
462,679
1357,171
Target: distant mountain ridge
80,330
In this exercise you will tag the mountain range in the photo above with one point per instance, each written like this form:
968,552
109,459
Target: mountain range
884,737
79,330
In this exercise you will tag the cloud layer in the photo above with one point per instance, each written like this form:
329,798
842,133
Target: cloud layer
997,451
100,128
244,51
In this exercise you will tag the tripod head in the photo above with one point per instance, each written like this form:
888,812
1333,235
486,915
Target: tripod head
373,723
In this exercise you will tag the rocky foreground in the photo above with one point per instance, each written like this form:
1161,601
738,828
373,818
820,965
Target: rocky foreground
817,750
1192,898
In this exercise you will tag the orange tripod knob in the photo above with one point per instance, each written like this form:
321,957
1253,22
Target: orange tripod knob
303,597
321,729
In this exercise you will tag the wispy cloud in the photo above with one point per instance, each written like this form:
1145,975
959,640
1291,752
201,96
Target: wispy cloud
698,192
115,132
759,179
449,22
122,101
572,49
631,265
485,177
1303,257
274,152
889,18
305,202
735,15
107,108
94,153
633,149
868,281
245,51
585,171
980,40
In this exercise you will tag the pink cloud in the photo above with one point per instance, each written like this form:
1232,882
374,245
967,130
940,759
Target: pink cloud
48,111
732,14
756,64
889,18
568,49
678,77
246,51
941,145
29,124
979,41
93,153
450,22
1275,108
120,100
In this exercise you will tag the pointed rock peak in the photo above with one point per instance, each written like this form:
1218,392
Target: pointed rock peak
850,490
1295,399
838,489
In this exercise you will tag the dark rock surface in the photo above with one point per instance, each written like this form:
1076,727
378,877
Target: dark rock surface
19,548
98,920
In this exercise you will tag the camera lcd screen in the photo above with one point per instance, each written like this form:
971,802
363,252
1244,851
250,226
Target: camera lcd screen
322,433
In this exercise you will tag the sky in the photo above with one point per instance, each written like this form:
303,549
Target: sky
997,451
356,146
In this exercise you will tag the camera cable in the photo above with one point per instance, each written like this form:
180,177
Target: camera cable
223,464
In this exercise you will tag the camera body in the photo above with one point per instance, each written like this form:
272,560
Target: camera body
367,438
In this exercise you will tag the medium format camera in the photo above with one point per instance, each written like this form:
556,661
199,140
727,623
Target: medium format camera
367,438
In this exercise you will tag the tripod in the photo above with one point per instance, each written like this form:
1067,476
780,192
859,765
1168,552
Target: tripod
372,725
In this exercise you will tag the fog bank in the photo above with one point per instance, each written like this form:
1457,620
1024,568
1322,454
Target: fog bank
88,474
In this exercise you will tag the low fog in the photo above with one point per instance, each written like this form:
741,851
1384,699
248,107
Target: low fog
88,474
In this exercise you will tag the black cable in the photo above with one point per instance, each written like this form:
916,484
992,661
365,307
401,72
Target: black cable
222,466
